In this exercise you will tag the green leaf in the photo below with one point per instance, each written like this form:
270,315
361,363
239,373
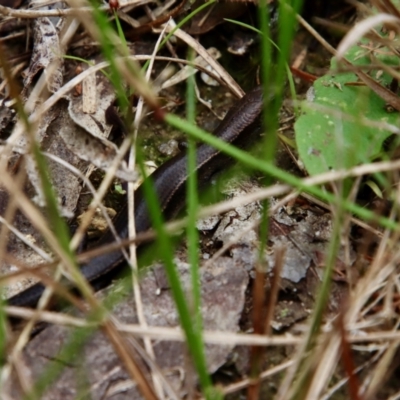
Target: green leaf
333,132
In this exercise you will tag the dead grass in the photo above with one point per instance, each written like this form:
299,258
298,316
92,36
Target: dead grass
352,352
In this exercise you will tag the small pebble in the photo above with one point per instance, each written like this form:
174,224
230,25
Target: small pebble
207,78
170,148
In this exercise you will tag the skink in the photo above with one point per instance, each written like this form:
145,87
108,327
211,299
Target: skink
239,127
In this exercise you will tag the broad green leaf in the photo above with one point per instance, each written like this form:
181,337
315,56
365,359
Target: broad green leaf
334,131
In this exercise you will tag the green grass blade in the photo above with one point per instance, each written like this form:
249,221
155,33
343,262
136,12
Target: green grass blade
166,253
193,238
269,169
121,32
